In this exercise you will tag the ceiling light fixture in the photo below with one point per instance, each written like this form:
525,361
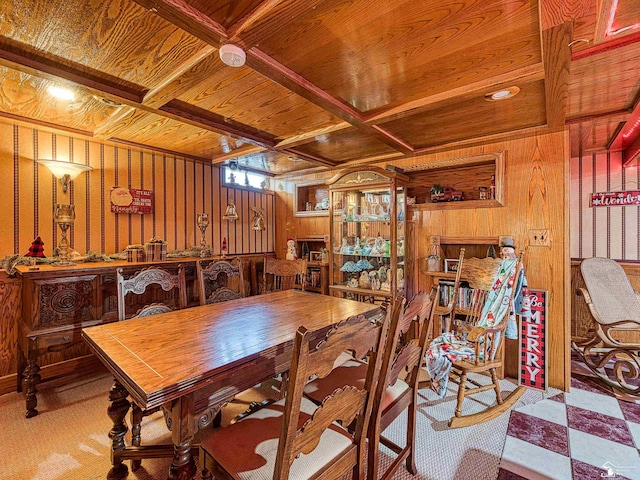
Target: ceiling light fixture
502,94
232,55
61,93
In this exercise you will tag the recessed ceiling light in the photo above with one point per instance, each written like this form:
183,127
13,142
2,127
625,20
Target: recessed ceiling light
61,93
503,94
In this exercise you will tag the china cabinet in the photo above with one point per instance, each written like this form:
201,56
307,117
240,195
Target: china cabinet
367,233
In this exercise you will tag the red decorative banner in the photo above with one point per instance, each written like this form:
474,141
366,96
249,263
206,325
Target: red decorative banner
533,343
131,200
615,199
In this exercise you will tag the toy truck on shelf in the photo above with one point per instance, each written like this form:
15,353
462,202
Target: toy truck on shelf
445,194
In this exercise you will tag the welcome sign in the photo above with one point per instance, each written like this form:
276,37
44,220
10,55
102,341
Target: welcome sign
533,343
613,199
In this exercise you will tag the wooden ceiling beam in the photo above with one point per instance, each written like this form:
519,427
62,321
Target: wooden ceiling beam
188,18
309,137
173,85
557,64
200,117
270,68
307,156
25,58
604,18
556,12
244,23
240,152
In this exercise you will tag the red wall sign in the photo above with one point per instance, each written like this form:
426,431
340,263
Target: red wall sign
533,343
613,199
131,200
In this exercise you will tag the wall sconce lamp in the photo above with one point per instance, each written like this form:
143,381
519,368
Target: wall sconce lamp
65,171
230,213
257,222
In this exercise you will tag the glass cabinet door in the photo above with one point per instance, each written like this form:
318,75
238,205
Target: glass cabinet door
367,236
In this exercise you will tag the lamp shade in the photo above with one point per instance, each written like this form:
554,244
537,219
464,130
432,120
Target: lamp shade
60,168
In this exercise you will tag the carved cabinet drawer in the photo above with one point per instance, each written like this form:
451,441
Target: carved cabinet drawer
57,340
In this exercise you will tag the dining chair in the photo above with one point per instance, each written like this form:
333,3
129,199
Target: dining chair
283,274
137,285
397,389
294,438
219,281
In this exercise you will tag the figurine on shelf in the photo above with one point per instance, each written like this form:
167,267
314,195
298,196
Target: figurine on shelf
364,281
345,246
507,249
400,278
382,271
379,248
366,246
357,250
352,282
401,247
374,279
291,249
386,286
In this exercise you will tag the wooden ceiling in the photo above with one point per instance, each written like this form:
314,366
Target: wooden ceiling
325,82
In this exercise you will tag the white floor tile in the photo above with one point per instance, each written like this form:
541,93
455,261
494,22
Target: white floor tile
594,402
597,451
533,462
634,428
550,410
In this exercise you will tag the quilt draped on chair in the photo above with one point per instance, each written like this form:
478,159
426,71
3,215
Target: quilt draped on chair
449,347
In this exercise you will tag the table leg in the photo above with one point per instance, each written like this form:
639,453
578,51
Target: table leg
117,411
183,425
30,379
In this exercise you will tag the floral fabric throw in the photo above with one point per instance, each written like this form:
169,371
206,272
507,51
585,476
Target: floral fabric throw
447,348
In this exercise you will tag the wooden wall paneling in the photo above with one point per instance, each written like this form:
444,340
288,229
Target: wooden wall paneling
26,191
217,208
10,294
148,176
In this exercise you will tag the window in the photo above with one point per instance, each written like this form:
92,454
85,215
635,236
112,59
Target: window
245,178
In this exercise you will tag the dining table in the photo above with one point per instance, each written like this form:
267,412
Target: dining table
192,362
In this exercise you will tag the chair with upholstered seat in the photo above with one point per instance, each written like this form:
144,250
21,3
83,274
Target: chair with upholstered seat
283,274
397,389
611,349
294,438
137,285
219,281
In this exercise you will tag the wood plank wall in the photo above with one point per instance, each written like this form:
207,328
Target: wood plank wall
182,188
536,197
610,232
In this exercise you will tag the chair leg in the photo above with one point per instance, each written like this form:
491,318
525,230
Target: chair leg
461,392
374,447
411,434
136,421
496,385
206,474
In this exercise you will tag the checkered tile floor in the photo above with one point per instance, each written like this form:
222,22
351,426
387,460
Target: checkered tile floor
584,434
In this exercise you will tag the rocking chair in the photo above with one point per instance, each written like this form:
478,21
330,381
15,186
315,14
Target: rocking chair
612,348
486,342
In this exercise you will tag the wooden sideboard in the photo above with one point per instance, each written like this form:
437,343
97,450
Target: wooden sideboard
58,302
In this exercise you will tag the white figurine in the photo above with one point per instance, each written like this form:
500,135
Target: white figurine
400,278
364,281
374,280
291,250
507,249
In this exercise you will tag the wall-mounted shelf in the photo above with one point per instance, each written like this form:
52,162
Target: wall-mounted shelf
312,199
467,174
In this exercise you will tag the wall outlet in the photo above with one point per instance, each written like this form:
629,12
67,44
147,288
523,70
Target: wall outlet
539,238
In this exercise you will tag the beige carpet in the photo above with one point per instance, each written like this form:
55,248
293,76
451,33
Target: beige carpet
68,439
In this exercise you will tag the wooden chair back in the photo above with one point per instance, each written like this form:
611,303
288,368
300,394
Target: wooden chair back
345,405
283,274
482,276
219,281
138,283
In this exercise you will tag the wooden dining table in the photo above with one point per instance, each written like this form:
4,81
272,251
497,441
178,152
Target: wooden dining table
192,362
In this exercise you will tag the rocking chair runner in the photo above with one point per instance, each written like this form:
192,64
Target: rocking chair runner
483,345
615,308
